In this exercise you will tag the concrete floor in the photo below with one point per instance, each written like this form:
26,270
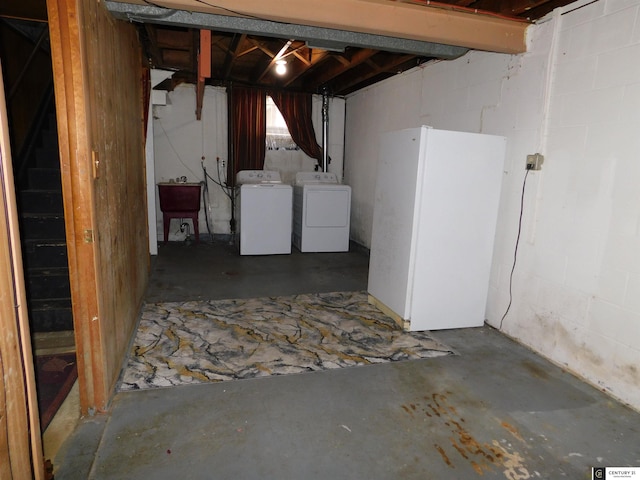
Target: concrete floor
494,411
217,272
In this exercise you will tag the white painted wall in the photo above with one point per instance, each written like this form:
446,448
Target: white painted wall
290,162
575,97
151,186
155,97
181,141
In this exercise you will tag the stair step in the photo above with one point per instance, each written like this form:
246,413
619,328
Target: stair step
50,303
49,138
45,254
51,315
51,343
45,179
41,201
48,156
52,121
39,226
48,283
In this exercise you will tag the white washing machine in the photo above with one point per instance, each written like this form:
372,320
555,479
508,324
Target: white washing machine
321,213
265,209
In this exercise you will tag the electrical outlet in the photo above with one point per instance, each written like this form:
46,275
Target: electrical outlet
535,161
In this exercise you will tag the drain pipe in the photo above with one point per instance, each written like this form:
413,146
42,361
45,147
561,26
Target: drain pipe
325,130
231,182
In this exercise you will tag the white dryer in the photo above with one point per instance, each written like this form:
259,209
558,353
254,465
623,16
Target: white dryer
321,213
265,209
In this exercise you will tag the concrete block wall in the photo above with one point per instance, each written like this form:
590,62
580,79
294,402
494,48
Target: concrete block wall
180,142
574,97
583,310
390,105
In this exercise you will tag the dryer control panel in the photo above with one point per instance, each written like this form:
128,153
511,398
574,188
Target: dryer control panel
313,178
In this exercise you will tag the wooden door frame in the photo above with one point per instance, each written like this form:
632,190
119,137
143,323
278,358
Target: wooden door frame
76,163
21,454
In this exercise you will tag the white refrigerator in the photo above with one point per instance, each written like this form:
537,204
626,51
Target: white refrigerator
434,220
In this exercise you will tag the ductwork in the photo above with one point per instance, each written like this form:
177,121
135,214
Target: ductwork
251,26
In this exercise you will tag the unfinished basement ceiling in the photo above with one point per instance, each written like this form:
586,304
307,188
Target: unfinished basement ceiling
244,59
247,38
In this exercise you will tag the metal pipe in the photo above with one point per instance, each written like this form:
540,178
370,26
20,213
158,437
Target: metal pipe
325,130
231,167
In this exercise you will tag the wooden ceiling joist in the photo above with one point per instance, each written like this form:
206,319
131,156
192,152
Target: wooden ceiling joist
338,67
232,54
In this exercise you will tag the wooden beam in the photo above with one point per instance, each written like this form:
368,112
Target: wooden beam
296,53
378,17
204,59
544,8
232,54
512,7
199,98
248,50
274,58
329,73
204,69
299,71
375,69
152,46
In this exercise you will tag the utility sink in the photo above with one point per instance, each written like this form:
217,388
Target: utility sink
179,200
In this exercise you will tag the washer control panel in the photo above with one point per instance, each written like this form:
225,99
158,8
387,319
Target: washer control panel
307,178
257,176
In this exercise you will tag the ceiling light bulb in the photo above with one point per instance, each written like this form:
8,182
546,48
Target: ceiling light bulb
281,67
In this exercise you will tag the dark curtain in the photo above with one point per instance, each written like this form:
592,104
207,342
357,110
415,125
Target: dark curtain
296,111
249,126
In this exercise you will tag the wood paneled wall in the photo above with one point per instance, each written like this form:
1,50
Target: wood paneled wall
98,75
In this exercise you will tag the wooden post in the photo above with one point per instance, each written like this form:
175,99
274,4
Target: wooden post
204,68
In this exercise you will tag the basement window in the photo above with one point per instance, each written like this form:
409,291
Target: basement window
278,136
